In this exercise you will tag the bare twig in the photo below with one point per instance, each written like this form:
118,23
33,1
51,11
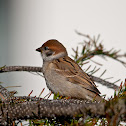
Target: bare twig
39,69
105,83
20,68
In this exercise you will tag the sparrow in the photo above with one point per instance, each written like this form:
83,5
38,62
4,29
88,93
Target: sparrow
63,75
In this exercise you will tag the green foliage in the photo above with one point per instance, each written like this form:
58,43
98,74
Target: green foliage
40,122
2,67
91,47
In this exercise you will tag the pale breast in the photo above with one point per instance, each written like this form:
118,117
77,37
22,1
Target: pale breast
54,81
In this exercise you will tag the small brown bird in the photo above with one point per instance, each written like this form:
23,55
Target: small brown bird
63,75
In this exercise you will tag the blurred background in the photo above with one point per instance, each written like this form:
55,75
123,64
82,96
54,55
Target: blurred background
26,24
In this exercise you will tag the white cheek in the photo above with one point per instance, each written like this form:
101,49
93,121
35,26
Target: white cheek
44,56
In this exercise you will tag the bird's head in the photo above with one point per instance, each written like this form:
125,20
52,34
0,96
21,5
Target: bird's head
52,49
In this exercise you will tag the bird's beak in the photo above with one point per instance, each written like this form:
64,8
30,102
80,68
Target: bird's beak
38,49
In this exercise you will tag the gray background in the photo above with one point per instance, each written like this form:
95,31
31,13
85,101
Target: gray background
26,24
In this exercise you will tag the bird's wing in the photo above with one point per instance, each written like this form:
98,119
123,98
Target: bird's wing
74,74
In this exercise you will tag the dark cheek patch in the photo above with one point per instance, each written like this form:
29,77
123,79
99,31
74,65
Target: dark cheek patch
49,53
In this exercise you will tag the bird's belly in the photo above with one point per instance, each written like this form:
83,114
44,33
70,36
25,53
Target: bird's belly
55,83
59,84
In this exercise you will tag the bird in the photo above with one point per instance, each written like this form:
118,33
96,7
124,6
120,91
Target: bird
63,75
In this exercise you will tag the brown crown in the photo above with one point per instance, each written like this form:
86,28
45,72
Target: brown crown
55,46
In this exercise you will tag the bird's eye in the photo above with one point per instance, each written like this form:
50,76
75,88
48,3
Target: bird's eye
46,48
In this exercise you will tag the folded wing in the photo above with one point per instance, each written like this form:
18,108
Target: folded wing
74,74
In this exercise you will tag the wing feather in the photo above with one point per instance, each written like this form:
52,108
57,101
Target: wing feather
74,74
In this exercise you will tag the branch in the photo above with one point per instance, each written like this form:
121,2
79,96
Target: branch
49,109
23,107
39,69
12,109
